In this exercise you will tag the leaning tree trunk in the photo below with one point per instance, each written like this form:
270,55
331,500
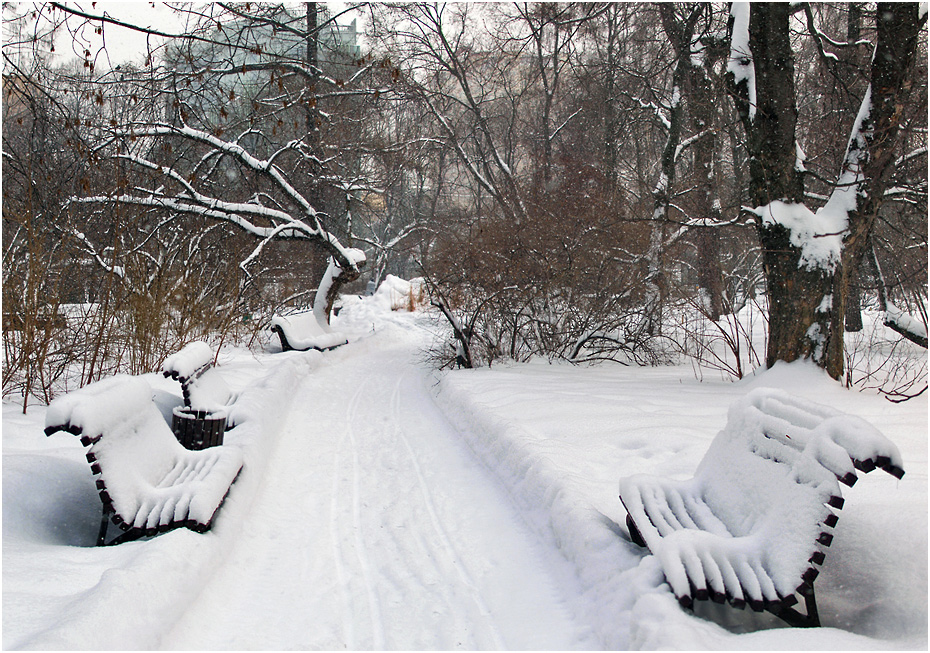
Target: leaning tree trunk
871,152
330,286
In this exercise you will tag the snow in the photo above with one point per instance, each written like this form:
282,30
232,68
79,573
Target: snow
740,63
799,158
818,235
385,505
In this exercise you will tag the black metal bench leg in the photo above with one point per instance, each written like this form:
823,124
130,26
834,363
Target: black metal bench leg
104,523
635,535
813,617
124,536
797,620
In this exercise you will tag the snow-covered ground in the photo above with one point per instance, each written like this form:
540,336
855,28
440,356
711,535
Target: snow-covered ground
385,506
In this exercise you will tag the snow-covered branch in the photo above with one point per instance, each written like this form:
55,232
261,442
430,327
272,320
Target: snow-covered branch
233,149
685,144
911,155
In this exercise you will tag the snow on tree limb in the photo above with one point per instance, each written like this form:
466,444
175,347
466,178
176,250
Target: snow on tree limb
686,143
235,150
282,224
906,325
910,155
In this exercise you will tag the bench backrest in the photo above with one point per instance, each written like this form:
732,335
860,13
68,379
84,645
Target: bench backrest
774,472
202,386
776,445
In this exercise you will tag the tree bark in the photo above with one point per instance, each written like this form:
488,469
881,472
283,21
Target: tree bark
701,104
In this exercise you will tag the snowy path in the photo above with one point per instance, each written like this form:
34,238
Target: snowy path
375,528
363,518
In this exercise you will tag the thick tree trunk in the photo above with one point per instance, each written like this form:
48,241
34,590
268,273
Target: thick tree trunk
871,152
807,300
794,292
702,108
331,285
855,57
710,277
853,317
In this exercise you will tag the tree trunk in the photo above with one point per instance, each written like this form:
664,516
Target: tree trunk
702,108
853,317
330,286
680,34
871,152
807,300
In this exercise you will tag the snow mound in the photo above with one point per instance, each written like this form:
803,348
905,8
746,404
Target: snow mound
394,293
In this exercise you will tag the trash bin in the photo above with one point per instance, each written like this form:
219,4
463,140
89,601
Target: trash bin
198,429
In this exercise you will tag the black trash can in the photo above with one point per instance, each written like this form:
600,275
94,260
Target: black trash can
198,429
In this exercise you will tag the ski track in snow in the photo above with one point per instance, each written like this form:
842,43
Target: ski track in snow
376,529
440,531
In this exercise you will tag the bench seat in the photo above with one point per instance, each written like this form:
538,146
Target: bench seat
147,481
753,524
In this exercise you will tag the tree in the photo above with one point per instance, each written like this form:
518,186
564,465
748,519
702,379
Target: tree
262,59
808,256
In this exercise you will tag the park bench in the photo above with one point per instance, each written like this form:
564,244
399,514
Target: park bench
752,526
302,331
202,420
147,481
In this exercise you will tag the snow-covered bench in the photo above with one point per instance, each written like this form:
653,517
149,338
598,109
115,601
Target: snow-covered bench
147,481
202,386
302,331
753,524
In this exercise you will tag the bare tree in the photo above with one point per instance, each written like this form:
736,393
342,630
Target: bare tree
278,184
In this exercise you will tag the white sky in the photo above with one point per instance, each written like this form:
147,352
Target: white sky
121,44
124,44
